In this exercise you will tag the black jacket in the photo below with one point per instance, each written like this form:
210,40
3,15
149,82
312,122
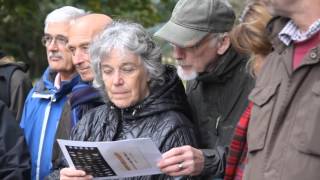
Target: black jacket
15,85
14,154
217,99
82,98
163,116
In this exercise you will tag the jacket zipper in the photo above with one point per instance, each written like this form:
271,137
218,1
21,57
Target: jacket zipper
217,125
43,130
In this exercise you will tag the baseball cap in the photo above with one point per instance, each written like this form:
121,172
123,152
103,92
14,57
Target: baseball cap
192,20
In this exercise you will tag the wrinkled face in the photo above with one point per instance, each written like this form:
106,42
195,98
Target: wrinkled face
195,59
79,40
125,78
59,57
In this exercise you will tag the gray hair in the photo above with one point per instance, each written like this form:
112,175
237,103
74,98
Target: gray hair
216,38
63,14
127,36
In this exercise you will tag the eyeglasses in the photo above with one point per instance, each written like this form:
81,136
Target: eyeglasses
216,37
59,39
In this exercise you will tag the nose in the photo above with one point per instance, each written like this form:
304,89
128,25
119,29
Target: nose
117,79
52,46
78,57
178,53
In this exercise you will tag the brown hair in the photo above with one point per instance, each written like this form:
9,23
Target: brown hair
249,36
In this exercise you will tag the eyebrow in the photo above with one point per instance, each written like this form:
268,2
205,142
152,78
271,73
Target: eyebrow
84,44
47,34
80,45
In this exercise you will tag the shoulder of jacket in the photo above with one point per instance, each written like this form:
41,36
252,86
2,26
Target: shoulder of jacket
174,119
102,110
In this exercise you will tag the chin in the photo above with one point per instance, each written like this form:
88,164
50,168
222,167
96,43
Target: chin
187,76
121,105
86,78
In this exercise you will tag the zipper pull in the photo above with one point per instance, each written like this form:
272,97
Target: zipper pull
53,98
217,125
134,112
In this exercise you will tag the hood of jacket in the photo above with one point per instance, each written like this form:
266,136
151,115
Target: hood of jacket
8,62
224,68
83,93
168,96
46,84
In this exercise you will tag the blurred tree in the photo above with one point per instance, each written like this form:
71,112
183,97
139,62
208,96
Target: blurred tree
20,31
238,6
22,22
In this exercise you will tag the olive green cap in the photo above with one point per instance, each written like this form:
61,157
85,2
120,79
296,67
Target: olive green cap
192,20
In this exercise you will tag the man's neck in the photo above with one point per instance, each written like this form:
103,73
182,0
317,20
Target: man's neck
66,76
306,16
62,76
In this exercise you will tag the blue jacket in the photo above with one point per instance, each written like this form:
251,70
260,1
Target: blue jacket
40,119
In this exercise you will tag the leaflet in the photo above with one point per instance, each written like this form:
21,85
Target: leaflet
113,159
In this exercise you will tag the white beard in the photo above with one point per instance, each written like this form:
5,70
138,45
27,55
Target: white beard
187,76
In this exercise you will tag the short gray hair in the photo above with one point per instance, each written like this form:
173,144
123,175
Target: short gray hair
63,14
216,38
130,37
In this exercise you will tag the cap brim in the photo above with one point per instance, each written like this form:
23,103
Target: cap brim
179,35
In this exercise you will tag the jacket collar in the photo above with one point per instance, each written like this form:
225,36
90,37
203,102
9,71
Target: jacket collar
275,25
223,70
46,84
83,93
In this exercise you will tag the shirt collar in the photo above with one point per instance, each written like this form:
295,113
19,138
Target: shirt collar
291,32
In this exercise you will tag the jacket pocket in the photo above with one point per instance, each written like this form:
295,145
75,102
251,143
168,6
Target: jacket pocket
306,131
263,99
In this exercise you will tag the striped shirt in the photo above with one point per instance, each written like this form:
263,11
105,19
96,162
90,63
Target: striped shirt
291,32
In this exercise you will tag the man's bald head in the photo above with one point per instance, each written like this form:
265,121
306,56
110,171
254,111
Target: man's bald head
81,33
90,24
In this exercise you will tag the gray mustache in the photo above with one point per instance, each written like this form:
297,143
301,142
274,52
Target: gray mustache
55,55
180,63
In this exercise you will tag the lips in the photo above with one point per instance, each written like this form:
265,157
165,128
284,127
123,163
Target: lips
120,94
83,69
183,64
186,67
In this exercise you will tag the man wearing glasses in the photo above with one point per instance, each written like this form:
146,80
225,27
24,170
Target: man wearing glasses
217,84
45,102
84,96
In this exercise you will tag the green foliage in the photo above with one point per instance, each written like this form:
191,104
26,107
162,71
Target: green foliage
238,6
21,22
20,29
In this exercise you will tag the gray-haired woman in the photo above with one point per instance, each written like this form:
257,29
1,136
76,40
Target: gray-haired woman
144,98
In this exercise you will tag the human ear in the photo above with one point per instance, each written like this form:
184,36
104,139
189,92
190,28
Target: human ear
223,45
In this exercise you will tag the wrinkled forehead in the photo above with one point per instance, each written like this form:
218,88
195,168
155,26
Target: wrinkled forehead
80,36
57,28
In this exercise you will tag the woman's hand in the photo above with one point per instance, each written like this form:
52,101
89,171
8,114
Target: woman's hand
180,161
69,174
